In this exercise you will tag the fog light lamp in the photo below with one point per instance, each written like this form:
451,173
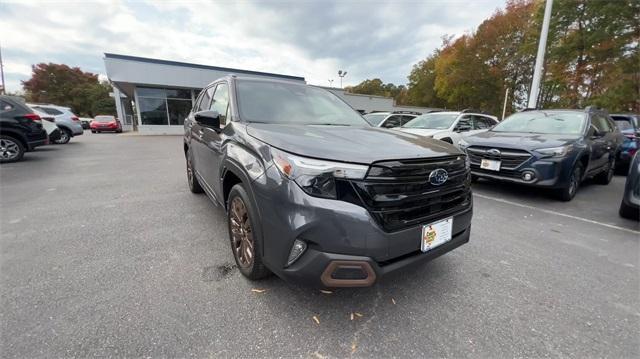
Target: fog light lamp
528,176
296,251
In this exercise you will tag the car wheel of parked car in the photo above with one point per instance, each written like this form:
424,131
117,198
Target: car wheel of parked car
606,176
11,150
246,242
194,185
629,212
65,137
569,191
92,131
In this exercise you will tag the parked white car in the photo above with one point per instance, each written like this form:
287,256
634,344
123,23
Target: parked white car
66,120
449,126
390,119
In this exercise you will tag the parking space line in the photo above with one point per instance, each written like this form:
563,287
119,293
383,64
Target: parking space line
548,211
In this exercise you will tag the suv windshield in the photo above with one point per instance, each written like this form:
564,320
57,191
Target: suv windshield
375,118
549,122
288,103
104,118
438,121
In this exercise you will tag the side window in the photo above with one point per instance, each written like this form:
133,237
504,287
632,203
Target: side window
5,106
393,121
220,102
601,123
406,118
483,123
464,124
203,104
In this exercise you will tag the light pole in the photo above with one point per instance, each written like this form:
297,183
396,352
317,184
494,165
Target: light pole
542,44
3,89
330,82
341,74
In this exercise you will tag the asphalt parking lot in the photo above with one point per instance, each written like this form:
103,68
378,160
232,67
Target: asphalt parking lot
105,252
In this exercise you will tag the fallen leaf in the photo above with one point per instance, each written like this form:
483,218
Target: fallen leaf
326,291
316,319
393,301
258,290
358,314
353,348
351,316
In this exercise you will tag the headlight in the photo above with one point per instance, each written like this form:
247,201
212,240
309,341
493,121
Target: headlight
554,151
316,177
463,144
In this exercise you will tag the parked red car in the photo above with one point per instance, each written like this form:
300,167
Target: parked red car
105,123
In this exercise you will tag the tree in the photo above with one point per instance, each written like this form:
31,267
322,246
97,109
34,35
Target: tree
378,88
66,86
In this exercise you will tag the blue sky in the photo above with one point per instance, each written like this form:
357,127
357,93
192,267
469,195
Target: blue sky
305,38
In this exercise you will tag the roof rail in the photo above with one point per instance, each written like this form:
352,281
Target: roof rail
467,110
408,112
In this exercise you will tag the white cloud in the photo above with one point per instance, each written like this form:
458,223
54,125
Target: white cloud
310,39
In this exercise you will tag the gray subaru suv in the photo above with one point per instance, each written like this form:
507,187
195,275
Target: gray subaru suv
315,194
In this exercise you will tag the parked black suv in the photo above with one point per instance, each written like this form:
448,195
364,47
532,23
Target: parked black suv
547,148
313,192
20,130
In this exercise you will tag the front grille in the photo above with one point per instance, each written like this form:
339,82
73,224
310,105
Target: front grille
398,193
510,158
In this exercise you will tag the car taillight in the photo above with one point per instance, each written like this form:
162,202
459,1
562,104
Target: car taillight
75,118
33,117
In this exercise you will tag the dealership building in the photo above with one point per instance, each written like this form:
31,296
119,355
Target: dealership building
154,96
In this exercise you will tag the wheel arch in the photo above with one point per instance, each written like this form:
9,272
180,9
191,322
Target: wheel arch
18,136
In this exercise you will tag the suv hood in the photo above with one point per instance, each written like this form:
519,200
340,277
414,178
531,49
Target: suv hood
525,141
349,143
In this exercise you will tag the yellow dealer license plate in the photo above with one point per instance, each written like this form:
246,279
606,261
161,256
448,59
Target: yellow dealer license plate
435,234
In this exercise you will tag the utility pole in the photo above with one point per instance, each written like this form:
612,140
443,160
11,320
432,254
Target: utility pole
542,45
341,74
504,107
4,90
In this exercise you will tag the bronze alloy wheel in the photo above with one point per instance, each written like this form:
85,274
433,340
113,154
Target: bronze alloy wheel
241,233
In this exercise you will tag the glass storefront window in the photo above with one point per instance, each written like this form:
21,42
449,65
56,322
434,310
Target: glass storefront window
159,106
153,111
178,111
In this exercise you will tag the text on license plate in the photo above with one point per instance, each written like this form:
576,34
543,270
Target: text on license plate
435,234
491,165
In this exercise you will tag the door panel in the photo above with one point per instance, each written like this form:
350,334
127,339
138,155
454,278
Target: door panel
197,132
212,139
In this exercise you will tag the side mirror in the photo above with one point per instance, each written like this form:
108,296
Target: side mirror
208,118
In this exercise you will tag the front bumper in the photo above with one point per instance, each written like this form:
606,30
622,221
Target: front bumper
335,231
548,172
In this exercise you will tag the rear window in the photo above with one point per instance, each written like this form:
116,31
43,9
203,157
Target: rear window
48,110
104,118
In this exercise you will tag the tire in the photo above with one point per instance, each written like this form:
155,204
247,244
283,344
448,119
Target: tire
93,131
629,212
11,149
606,176
244,236
569,191
65,137
194,184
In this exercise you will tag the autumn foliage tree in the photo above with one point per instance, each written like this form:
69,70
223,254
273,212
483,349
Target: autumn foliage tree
69,86
378,88
592,58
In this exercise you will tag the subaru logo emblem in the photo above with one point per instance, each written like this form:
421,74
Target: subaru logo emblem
438,176
494,152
